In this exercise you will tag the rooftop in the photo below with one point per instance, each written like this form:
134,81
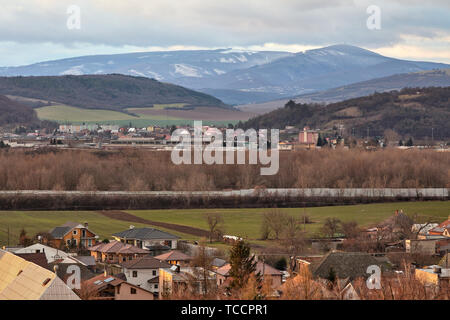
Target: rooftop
145,234
345,265
24,280
174,255
117,247
145,263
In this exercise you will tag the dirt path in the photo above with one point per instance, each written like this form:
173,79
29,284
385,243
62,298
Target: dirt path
124,216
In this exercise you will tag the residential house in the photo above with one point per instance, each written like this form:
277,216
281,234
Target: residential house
153,240
72,234
443,229
266,271
319,289
37,258
116,252
51,254
217,263
307,139
106,287
58,261
56,256
175,257
422,229
178,279
343,265
425,246
443,246
144,272
433,275
24,280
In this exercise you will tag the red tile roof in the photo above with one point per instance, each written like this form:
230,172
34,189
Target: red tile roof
117,247
268,270
174,255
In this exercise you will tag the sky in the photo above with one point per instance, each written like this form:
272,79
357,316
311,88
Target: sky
40,30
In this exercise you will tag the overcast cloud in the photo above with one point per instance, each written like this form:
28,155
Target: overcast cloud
35,30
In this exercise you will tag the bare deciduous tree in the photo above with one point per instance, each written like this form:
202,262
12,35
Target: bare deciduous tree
215,225
331,227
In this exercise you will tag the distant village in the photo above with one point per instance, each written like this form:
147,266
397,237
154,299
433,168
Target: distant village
159,138
71,262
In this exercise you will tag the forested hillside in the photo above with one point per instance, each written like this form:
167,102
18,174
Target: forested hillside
414,112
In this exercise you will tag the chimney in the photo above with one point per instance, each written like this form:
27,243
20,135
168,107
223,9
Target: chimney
131,227
86,225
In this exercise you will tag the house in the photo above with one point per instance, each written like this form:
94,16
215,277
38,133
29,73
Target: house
175,257
442,229
51,254
343,265
57,256
24,280
58,261
72,234
433,275
144,272
105,287
307,138
116,252
303,286
443,246
421,246
177,279
217,263
266,271
423,229
37,258
147,238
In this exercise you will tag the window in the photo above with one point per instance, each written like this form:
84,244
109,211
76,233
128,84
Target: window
133,291
154,272
75,232
68,242
134,274
83,233
156,286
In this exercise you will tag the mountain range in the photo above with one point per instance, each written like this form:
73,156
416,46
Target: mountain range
239,76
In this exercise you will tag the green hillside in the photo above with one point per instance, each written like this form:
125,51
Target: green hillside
112,92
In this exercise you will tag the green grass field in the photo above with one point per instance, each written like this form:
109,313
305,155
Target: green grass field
247,222
63,113
239,222
67,114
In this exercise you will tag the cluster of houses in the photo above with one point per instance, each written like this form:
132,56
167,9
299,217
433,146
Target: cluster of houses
148,264
137,264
